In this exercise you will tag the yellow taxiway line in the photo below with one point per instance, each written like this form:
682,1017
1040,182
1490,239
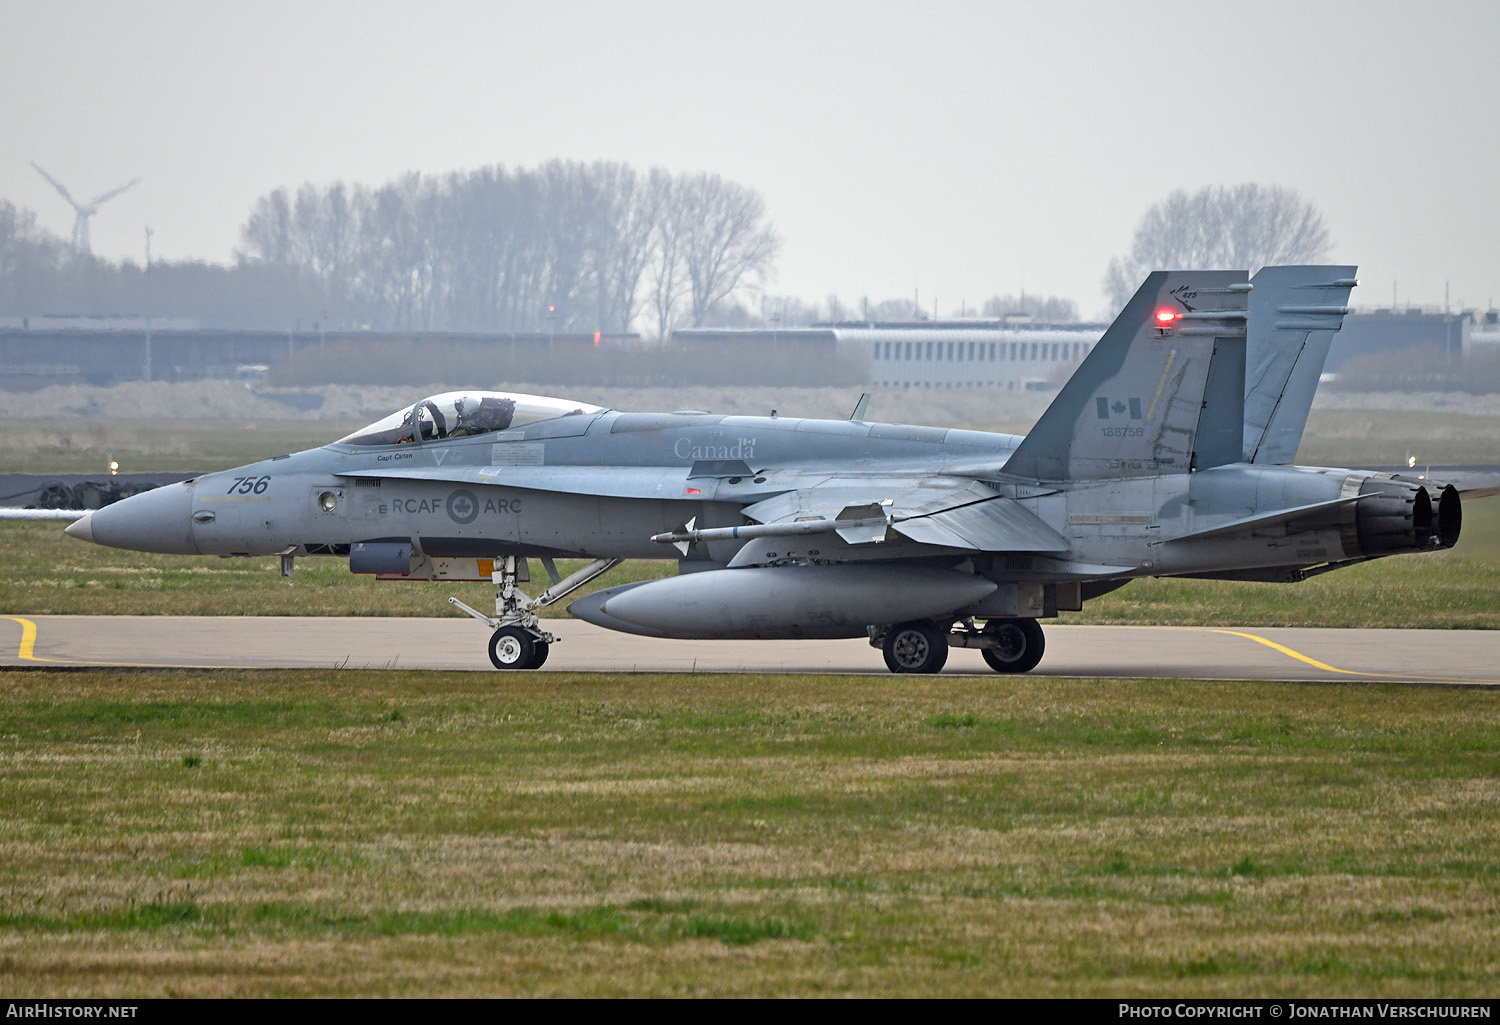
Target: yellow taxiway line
1347,672
27,653
1295,654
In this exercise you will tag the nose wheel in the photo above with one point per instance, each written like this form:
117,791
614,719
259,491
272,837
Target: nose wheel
514,648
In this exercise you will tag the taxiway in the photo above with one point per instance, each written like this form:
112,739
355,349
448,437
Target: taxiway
1466,657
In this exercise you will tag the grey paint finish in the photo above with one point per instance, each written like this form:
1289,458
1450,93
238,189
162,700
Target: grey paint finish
1294,314
852,526
1133,408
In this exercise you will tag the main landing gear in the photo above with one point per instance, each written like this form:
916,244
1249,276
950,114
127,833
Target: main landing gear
519,642
921,646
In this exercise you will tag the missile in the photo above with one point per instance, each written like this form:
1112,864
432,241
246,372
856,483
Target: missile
688,535
783,601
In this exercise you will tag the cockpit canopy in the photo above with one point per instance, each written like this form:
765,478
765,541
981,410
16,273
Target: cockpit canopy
462,414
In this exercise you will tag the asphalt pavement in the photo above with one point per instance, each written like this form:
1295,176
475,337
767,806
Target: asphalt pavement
1460,657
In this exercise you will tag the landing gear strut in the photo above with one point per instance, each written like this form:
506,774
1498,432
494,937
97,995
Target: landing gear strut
1008,645
519,642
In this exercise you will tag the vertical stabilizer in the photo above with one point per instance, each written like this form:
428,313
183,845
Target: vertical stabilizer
1162,392
1294,312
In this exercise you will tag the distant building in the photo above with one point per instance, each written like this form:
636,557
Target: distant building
1011,353
95,323
1385,330
1485,336
38,351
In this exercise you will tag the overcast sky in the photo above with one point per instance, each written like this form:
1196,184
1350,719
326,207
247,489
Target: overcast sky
962,148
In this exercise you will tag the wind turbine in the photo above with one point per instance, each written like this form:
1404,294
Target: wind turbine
84,210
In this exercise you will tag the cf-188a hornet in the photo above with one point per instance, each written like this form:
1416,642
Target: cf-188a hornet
1167,453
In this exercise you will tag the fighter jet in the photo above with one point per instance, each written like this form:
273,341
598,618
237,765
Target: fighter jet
1167,453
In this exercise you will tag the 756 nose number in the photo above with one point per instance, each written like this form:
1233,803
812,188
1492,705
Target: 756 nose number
249,486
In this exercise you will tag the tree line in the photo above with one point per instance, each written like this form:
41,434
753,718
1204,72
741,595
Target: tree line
1239,227
566,247
563,247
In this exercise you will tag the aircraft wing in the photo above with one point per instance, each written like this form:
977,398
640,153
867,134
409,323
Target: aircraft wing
946,512
957,513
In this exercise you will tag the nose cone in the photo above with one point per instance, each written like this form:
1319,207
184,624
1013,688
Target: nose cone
159,520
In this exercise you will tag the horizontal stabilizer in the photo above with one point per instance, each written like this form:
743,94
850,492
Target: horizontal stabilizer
1280,516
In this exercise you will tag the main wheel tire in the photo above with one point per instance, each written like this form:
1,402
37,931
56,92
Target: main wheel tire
512,648
915,648
1021,645
538,654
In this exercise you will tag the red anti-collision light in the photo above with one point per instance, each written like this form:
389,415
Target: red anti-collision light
1165,318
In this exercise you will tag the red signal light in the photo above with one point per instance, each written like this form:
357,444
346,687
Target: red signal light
1166,318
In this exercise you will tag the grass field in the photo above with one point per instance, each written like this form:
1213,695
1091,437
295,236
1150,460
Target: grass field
66,445
377,833
1380,437
48,573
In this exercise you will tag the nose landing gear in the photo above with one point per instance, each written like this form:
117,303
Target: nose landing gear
519,642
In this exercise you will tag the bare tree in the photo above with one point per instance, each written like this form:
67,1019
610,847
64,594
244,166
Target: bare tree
395,268
267,235
895,310
727,239
1243,226
22,242
624,246
1049,309
29,257
566,246
668,280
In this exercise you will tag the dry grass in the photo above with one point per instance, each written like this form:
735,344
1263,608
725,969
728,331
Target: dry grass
1381,437
238,833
